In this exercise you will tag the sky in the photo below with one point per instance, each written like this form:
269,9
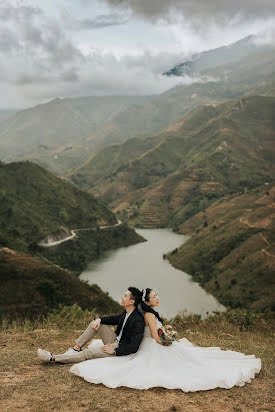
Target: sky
71,48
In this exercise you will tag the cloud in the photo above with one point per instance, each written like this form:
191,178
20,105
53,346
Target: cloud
266,37
99,22
40,61
199,10
32,46
105,74
30,30
44,54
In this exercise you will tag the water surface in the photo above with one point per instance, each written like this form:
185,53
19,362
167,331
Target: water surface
142,265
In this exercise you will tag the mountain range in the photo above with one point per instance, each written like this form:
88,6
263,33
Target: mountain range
210,175
64,133
49,130
213,150
221,55
197,158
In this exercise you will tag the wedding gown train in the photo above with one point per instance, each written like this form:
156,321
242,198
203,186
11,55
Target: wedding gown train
179,366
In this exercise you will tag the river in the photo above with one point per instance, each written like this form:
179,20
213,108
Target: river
142,265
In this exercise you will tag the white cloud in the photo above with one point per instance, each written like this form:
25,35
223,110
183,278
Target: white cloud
198,10
67,48
265,37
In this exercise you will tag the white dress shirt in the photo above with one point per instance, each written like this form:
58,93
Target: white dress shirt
121,330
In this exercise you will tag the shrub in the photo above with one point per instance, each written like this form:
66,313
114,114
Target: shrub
244,318
70,315
47,288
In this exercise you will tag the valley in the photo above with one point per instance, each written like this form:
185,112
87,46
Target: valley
197,159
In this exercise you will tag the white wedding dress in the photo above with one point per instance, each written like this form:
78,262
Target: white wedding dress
179,366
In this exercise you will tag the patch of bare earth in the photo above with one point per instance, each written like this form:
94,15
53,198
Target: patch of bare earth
30,386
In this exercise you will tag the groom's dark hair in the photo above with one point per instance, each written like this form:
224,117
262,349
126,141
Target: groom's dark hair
135,294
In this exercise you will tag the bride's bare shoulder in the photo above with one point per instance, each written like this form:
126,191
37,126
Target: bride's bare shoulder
149,318
149,315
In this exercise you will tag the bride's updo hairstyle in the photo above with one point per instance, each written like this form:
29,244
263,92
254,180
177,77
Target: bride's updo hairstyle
145,307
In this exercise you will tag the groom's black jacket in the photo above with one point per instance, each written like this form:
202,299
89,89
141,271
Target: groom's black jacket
132,333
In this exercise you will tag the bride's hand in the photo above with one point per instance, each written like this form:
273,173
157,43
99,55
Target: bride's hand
108,349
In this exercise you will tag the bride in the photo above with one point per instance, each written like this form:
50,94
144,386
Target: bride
179,366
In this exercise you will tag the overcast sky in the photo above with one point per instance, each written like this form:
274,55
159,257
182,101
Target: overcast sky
62,48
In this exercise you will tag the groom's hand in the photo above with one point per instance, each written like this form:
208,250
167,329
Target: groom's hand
96,323
108,349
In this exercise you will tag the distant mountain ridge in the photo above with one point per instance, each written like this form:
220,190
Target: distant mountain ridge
65,136
53,127
219,56
5,114
223,83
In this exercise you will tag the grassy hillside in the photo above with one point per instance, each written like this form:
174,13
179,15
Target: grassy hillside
109,160
31,287
232,249
34,204
212,151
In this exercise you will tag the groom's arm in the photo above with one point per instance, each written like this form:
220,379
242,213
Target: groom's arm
136,338
110,320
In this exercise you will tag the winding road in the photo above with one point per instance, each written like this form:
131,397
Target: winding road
73,234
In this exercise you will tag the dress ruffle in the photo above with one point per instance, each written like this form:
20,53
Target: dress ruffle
179,366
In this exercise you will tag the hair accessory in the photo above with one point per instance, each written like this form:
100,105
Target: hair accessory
143,295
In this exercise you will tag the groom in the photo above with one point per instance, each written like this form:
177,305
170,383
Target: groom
124,341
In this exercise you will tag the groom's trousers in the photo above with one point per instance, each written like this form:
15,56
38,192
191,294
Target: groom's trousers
106,334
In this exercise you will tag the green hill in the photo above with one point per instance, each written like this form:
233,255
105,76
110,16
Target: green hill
212,151
35,204
31,287
231,251
109,161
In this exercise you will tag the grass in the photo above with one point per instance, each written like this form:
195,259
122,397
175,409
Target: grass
27,385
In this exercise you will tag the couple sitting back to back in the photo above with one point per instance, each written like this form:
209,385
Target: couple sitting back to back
121,357
124,340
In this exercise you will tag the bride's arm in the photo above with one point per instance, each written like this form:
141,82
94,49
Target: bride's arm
151,321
